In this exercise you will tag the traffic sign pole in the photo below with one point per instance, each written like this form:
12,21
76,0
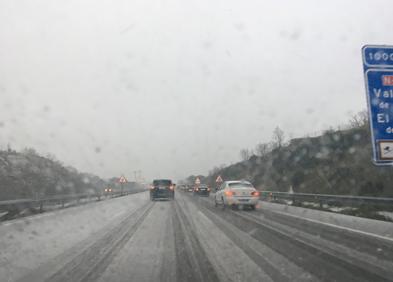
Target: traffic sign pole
122,180
218,181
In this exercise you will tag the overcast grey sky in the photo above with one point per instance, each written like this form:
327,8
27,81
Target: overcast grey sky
176,87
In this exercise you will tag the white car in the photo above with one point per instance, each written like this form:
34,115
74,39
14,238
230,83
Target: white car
236,193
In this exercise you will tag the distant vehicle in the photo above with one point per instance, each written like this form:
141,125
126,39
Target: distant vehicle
190,189
180,187
162,189
201,190
108,190
236,193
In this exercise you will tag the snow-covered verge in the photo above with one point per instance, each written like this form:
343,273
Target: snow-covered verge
381,228
387,214
26,243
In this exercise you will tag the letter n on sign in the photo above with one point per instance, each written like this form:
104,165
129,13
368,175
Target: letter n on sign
387,80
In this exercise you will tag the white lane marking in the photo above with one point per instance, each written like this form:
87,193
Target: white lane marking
337,226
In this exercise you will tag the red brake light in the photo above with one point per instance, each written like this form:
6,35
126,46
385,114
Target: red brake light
230,193
255,193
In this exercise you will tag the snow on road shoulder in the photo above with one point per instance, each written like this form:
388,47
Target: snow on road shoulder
377,227
29,242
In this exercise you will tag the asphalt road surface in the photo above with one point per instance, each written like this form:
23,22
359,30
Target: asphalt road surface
189,239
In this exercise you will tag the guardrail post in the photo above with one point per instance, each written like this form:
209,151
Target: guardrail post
41,206
320,203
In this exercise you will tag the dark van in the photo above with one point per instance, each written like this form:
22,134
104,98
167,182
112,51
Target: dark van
162,189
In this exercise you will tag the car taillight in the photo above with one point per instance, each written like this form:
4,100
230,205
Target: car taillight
171,187
230,193
255,194
151,187
208,189
197,189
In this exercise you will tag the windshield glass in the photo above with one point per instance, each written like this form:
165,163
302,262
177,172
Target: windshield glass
162,182
196,140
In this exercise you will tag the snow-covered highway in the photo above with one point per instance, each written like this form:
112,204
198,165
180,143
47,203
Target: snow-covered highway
133,239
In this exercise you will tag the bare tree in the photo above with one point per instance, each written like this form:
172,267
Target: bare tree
278,137
9,149
245,154
262,149
359,119
30,152
214,171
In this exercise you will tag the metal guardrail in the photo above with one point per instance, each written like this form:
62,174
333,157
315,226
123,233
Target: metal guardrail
17,205
322,199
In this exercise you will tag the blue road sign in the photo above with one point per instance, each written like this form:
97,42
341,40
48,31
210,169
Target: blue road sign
378,75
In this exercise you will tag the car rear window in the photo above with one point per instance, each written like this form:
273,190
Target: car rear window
162,182
240,185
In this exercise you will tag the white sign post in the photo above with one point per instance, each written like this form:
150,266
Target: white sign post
122,180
